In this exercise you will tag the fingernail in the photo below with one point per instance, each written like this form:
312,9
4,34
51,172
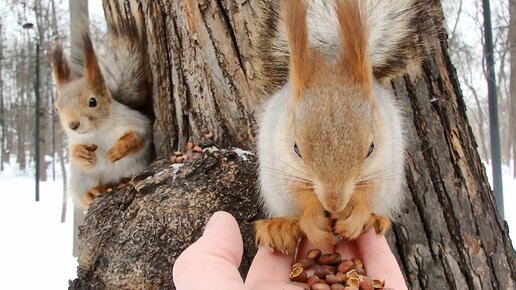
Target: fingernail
212,222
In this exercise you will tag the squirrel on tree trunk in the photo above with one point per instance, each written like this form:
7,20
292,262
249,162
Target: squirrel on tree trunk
330,137
100,103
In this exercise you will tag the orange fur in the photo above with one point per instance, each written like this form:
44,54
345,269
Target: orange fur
313,221
94,192
354,59
294,15
357,217
280,234
130,142
83,157
381,224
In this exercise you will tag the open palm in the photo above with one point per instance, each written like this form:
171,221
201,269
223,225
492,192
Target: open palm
212,261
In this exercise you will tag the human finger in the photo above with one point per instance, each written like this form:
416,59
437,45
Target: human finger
347,249
379,261
270,267
215,257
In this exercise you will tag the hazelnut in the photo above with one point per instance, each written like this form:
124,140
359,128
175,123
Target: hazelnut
306,263
312,280
322,270
313,254
178,153
365,285
337,287
333,279
332,259
342,276
91,148
189,145
197,149
173,159
345,266
320,286
180,159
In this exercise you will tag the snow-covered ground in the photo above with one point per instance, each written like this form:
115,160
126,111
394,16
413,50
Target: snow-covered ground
35,247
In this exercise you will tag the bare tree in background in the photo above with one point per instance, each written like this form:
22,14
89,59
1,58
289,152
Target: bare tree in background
465,25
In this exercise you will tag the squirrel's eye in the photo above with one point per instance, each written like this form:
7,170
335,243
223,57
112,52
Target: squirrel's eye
296,149
371,149
92,103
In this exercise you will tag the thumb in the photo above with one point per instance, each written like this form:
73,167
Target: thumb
213,260
379,260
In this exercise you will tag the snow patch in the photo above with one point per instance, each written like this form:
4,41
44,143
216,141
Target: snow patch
34,241
243,153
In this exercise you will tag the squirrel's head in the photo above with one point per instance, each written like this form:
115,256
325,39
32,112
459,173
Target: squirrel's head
332,111
83,101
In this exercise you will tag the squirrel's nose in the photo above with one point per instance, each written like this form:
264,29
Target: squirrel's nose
74,125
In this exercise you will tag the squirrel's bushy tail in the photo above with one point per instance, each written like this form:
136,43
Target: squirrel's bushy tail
400,32
121,55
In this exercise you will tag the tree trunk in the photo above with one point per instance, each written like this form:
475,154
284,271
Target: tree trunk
79,15
449,235
3,116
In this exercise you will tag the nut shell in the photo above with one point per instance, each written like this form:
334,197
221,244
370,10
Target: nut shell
313,254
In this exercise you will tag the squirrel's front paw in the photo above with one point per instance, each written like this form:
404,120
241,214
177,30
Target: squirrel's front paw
354,222
92,193
279,234
116,153
129,143
84,156
317,228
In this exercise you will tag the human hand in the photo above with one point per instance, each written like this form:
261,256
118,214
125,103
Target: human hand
214,259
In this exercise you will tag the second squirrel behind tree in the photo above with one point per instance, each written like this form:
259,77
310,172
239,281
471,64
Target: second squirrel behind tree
98,98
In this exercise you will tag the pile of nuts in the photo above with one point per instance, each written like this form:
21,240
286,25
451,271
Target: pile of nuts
331,272
193,151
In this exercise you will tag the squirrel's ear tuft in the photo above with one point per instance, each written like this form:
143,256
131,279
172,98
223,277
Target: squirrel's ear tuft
354,57
294,17
60,65
93,73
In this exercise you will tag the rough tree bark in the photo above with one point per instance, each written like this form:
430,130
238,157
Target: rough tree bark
449,235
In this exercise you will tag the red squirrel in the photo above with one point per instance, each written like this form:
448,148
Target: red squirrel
109,140
330,136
